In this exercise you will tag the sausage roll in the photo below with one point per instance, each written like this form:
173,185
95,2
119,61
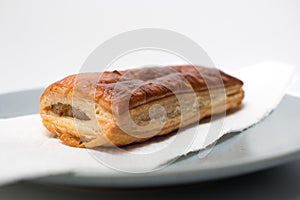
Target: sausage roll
116,108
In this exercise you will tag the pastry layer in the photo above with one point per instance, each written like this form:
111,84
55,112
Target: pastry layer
90,109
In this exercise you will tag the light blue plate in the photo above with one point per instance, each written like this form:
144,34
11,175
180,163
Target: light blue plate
274,141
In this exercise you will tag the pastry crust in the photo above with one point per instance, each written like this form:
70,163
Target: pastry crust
118,107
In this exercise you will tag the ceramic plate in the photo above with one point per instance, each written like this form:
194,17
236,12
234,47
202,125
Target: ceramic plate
273,141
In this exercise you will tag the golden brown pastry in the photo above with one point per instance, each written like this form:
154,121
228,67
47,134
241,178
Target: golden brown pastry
124,107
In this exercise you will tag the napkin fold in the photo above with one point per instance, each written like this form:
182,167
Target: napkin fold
28,150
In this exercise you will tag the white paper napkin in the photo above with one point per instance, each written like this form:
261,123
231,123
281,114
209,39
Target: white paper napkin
28,150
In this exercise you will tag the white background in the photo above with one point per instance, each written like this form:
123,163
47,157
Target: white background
43,41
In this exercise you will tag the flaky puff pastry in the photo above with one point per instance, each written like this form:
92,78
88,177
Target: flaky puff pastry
124,107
